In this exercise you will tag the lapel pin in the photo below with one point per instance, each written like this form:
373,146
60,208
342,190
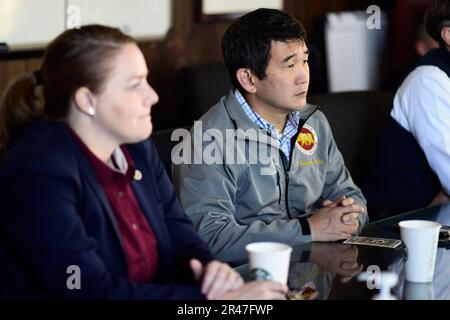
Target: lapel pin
137,175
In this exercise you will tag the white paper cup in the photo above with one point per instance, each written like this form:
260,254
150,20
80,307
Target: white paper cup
269,260
420,238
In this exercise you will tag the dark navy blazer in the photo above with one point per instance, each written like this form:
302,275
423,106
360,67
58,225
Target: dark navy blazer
54,214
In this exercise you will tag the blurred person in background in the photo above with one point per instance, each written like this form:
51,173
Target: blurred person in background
409,167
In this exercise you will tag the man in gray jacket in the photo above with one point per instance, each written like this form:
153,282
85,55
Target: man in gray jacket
262,164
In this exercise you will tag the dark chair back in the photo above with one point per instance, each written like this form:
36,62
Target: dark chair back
198,88
164,146
355,118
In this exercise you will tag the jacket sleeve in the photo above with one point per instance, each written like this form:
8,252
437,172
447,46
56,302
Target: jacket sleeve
208,193
186,243
338,181
40,218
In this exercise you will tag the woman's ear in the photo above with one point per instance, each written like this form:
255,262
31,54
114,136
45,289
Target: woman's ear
246,79
85,101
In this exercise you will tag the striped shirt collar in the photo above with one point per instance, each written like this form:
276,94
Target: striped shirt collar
289,131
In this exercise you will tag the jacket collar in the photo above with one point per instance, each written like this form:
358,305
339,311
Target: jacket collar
237,115
243,122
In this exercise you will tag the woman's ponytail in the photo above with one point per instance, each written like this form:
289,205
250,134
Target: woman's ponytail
21,102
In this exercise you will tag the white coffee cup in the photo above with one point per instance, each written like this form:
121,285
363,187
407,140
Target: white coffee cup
269,260
420,238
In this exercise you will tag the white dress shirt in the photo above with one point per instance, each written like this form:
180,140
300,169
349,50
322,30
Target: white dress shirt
422,107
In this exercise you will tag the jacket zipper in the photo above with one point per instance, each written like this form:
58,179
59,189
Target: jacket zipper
287,164
279,187
286,183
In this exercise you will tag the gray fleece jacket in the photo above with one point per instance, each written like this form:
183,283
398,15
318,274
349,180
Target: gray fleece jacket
238,187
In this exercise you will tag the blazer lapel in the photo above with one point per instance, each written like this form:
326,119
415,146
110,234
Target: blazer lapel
89,174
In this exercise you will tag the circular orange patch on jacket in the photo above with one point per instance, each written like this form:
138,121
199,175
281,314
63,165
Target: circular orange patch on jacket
307,140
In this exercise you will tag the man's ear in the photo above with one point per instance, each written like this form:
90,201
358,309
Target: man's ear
246,79
85,101
445,34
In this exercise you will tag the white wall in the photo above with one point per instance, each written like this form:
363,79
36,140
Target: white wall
33,23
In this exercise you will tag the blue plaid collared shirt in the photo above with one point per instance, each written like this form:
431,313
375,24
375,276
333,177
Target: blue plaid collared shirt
289,131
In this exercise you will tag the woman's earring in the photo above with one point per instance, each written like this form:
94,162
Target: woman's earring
91,111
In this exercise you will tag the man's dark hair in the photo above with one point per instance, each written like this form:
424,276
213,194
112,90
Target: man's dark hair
248,41
436,18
